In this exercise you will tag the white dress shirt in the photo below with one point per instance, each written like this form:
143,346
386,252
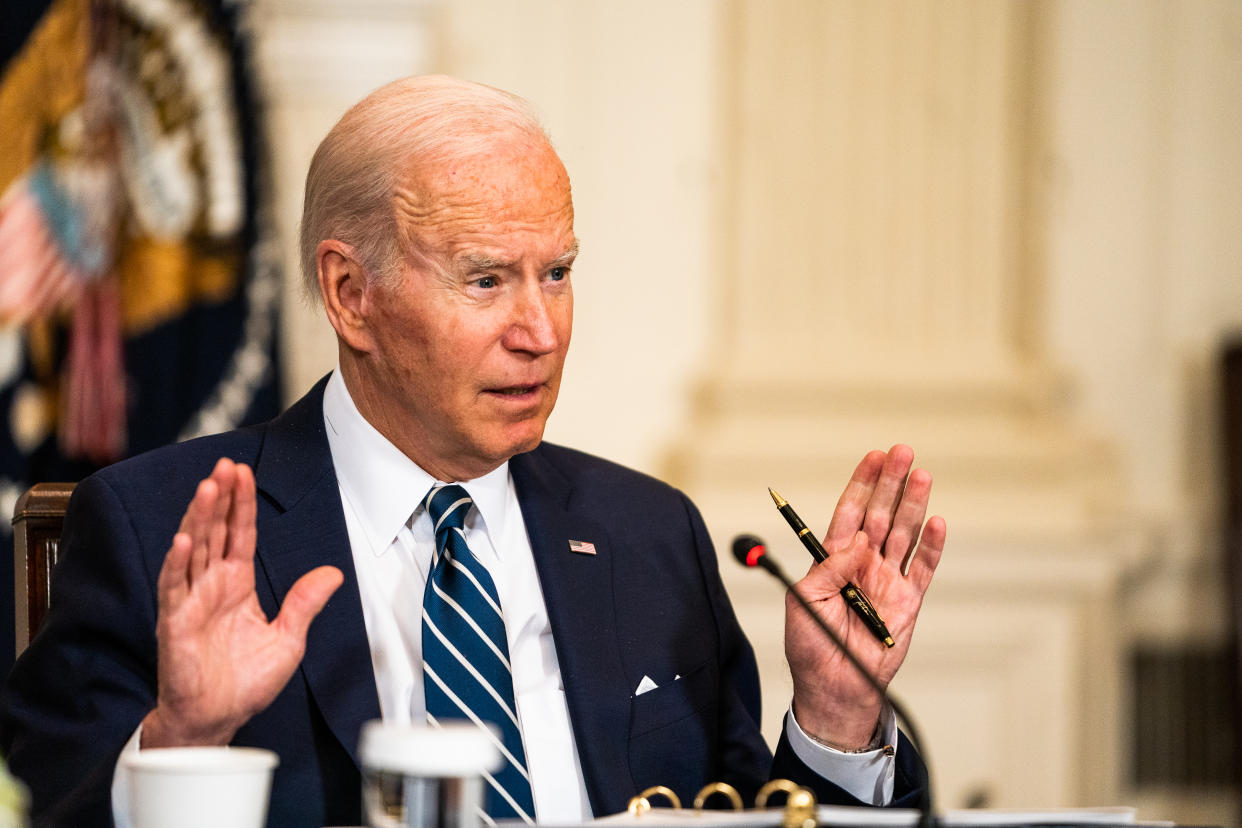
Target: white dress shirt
392,542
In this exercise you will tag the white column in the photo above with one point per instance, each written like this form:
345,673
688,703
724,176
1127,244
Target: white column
881,275
878,210
315,59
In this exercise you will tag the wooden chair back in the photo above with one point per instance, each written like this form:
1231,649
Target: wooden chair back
37,521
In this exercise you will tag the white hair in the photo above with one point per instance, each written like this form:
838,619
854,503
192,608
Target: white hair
361,162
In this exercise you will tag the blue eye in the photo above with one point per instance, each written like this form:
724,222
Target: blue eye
487,282
558,274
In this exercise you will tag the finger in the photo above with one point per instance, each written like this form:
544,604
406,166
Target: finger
225,477
305,599
909,518
847,518
921,565
197,523
173,583
883,504
241,536
190,518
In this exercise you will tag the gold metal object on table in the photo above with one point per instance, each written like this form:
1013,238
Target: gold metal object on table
775,786
641,804
723,788
800,803
800,810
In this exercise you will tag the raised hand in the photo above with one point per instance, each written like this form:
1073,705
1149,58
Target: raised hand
877,539
220,660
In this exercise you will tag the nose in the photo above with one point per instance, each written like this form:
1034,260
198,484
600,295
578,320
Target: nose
539,321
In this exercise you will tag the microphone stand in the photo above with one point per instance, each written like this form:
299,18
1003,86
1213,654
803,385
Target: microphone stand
742,549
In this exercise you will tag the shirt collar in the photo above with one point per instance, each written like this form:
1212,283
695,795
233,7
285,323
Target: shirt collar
384,487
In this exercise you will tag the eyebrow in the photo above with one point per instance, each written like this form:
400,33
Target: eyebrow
566,257
481,261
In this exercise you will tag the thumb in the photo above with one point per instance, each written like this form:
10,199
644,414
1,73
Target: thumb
306,598
842,564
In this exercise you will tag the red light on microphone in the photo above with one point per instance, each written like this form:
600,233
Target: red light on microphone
754,554
751,551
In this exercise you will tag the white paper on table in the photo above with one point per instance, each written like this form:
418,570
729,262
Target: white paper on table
841,815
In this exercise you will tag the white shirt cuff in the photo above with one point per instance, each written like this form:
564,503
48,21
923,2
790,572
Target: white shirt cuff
866,776
120,782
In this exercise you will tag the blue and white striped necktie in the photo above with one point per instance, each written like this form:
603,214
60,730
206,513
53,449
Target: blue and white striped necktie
466,671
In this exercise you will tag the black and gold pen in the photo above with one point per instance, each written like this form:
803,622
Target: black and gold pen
855,597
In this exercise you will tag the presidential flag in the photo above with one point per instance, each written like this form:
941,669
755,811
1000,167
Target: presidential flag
140,286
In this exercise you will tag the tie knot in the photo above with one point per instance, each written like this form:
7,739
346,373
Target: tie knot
448,506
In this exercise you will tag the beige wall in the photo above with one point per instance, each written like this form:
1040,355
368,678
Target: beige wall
1143,180
1070,327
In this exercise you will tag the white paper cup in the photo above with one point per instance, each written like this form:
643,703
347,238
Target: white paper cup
415,776
199,787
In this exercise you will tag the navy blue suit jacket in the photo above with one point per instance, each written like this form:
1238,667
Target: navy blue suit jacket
650,602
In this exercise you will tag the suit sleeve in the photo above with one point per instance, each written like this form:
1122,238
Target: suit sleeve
76,695
909,780
740,711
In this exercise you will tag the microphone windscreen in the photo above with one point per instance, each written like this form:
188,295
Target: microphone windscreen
748,549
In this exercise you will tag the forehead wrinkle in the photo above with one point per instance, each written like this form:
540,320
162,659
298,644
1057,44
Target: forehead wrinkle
439,207
428,204
412,207
416,214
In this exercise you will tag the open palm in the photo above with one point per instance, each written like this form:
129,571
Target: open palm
220,660
877,540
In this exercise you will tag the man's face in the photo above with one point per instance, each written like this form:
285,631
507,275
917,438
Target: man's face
471,339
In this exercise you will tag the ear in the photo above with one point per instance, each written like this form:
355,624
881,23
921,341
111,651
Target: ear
343,287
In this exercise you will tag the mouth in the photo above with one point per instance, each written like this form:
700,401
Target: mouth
515,392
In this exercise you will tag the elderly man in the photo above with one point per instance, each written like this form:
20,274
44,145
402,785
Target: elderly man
406,511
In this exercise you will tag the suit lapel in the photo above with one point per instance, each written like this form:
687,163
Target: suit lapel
578,592
307,529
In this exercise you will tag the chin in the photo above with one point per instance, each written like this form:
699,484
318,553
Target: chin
525,440
527,445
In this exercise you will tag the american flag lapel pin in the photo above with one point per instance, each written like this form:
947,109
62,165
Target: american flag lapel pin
582,547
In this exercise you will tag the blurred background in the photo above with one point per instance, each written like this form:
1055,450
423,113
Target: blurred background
1007,233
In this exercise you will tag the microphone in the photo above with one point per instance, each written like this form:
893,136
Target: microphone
752,552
